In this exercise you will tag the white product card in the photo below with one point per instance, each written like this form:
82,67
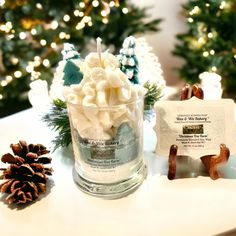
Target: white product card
197,127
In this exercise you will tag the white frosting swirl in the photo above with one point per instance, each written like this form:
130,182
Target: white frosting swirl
104,85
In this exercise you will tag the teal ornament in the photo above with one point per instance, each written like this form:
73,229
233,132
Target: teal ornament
72,74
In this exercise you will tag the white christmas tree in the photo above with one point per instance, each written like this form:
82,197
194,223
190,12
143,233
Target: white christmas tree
149,65
128,60
150,72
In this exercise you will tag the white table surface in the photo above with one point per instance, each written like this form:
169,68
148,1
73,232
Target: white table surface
189,206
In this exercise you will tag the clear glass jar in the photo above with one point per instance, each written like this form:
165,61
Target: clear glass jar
108,148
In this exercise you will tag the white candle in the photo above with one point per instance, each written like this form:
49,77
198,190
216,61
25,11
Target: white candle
211,85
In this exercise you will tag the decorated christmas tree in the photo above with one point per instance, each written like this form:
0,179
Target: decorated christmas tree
32,34
210,41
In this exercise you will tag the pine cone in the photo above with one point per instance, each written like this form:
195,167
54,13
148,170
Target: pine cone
26,175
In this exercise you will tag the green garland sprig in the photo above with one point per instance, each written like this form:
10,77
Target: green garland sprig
153,94
58,120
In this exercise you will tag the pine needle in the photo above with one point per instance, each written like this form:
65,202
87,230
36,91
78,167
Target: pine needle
154,93
58,120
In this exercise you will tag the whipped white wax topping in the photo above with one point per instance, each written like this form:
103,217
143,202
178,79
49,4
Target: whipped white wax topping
103,85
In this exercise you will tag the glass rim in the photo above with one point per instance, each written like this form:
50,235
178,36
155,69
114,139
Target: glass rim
139,99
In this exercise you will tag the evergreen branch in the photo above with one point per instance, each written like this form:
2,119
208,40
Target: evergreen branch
154,93
58,120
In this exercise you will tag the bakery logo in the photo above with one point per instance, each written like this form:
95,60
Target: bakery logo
99,142
193,129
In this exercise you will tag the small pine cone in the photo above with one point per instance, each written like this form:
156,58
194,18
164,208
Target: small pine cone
26,174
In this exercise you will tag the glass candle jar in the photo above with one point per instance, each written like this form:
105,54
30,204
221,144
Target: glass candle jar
108,148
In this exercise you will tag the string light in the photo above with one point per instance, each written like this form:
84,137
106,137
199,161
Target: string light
190,20
22,35
39,6
67,36
86,19
82,4
222,5
103,13
9,78
1,96
62,35
205,54
105,20
214,68
81,14
37,61
76,12
194,11
95,3
80,25
125,10
66,18
35,75
201,40
212,52
53,45
210,35
112,4
46,62
207,4
17,74
43,42
3,27
10,36
30,67
235,56
9,24
33,31
54,24
14,60
3,83
6,27
90,23
37,58
2,2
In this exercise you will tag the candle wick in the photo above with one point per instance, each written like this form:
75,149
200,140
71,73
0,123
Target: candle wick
99,50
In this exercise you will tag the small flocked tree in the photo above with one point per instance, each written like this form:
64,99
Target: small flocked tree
72,73
128,60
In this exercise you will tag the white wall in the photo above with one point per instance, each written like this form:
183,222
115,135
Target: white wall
163,41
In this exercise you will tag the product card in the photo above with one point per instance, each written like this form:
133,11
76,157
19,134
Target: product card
197,127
